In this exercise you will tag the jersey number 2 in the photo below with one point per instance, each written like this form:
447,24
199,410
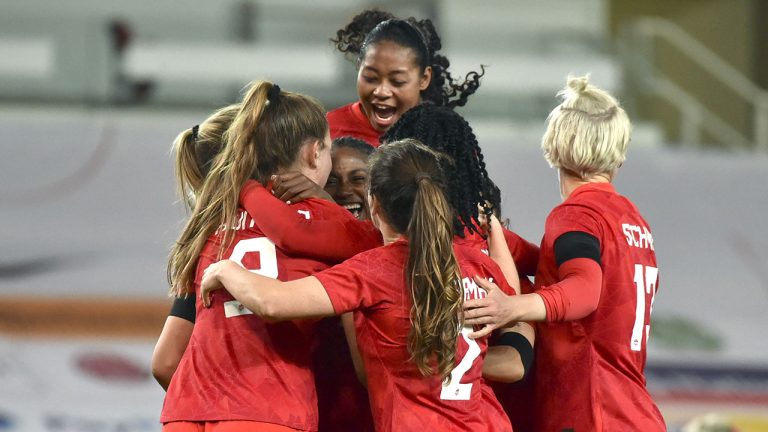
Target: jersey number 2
646,278
453,389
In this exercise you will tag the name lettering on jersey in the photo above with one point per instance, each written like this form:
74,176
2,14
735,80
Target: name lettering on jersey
234,308
638,236
471,290
243,220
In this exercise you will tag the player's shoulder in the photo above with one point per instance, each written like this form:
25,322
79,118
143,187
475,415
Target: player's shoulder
469,254
340,112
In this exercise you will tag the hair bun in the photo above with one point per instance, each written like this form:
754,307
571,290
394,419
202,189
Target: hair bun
578,84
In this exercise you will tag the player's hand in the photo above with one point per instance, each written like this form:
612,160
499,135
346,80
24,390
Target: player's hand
293,187
492,312
211,281
482,218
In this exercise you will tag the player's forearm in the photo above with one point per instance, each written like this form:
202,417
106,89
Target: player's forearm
269,298
502,364
499,252
250,289
526,307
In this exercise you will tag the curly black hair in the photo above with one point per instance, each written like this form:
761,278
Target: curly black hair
446,131
373,25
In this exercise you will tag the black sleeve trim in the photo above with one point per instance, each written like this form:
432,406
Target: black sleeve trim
576,244
522,345
184,307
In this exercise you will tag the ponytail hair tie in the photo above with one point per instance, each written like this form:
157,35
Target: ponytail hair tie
421,176
195,129
273,93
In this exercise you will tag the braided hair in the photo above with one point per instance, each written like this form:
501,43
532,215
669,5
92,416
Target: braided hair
446,131
373,26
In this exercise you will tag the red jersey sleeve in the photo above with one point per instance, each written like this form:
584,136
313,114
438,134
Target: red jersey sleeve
578,292
525,253
566,218
346,284
333,235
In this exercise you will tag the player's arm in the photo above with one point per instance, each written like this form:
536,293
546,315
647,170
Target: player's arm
510,357
577,294
574,296
348,321
268,298
499,252
325,239
173,339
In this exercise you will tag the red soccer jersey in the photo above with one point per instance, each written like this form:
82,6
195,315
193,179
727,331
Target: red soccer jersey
589,372
237,366
350,120
342,400
373,284
515,398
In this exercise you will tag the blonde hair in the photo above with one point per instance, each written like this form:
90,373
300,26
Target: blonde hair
588,133
195,154
408,180
267,133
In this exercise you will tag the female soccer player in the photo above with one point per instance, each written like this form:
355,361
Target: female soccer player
398,68
342,400
596,280
423,373
195,149
239,372
348,182
469,186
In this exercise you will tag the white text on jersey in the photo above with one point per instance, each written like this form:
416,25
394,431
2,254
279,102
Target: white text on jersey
638,236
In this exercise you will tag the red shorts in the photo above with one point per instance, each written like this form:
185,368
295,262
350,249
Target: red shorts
225,426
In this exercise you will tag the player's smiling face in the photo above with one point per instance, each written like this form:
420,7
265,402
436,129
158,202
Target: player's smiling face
389,83
348,182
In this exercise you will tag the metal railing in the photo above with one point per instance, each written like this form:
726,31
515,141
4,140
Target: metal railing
695,117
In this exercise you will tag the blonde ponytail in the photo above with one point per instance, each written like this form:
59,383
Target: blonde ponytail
256,144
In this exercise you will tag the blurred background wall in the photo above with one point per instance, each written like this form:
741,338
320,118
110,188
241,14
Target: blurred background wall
93,92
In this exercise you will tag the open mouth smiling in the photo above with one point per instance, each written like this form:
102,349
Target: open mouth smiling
383,113
355,208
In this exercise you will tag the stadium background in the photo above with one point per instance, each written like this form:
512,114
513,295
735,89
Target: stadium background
92,93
